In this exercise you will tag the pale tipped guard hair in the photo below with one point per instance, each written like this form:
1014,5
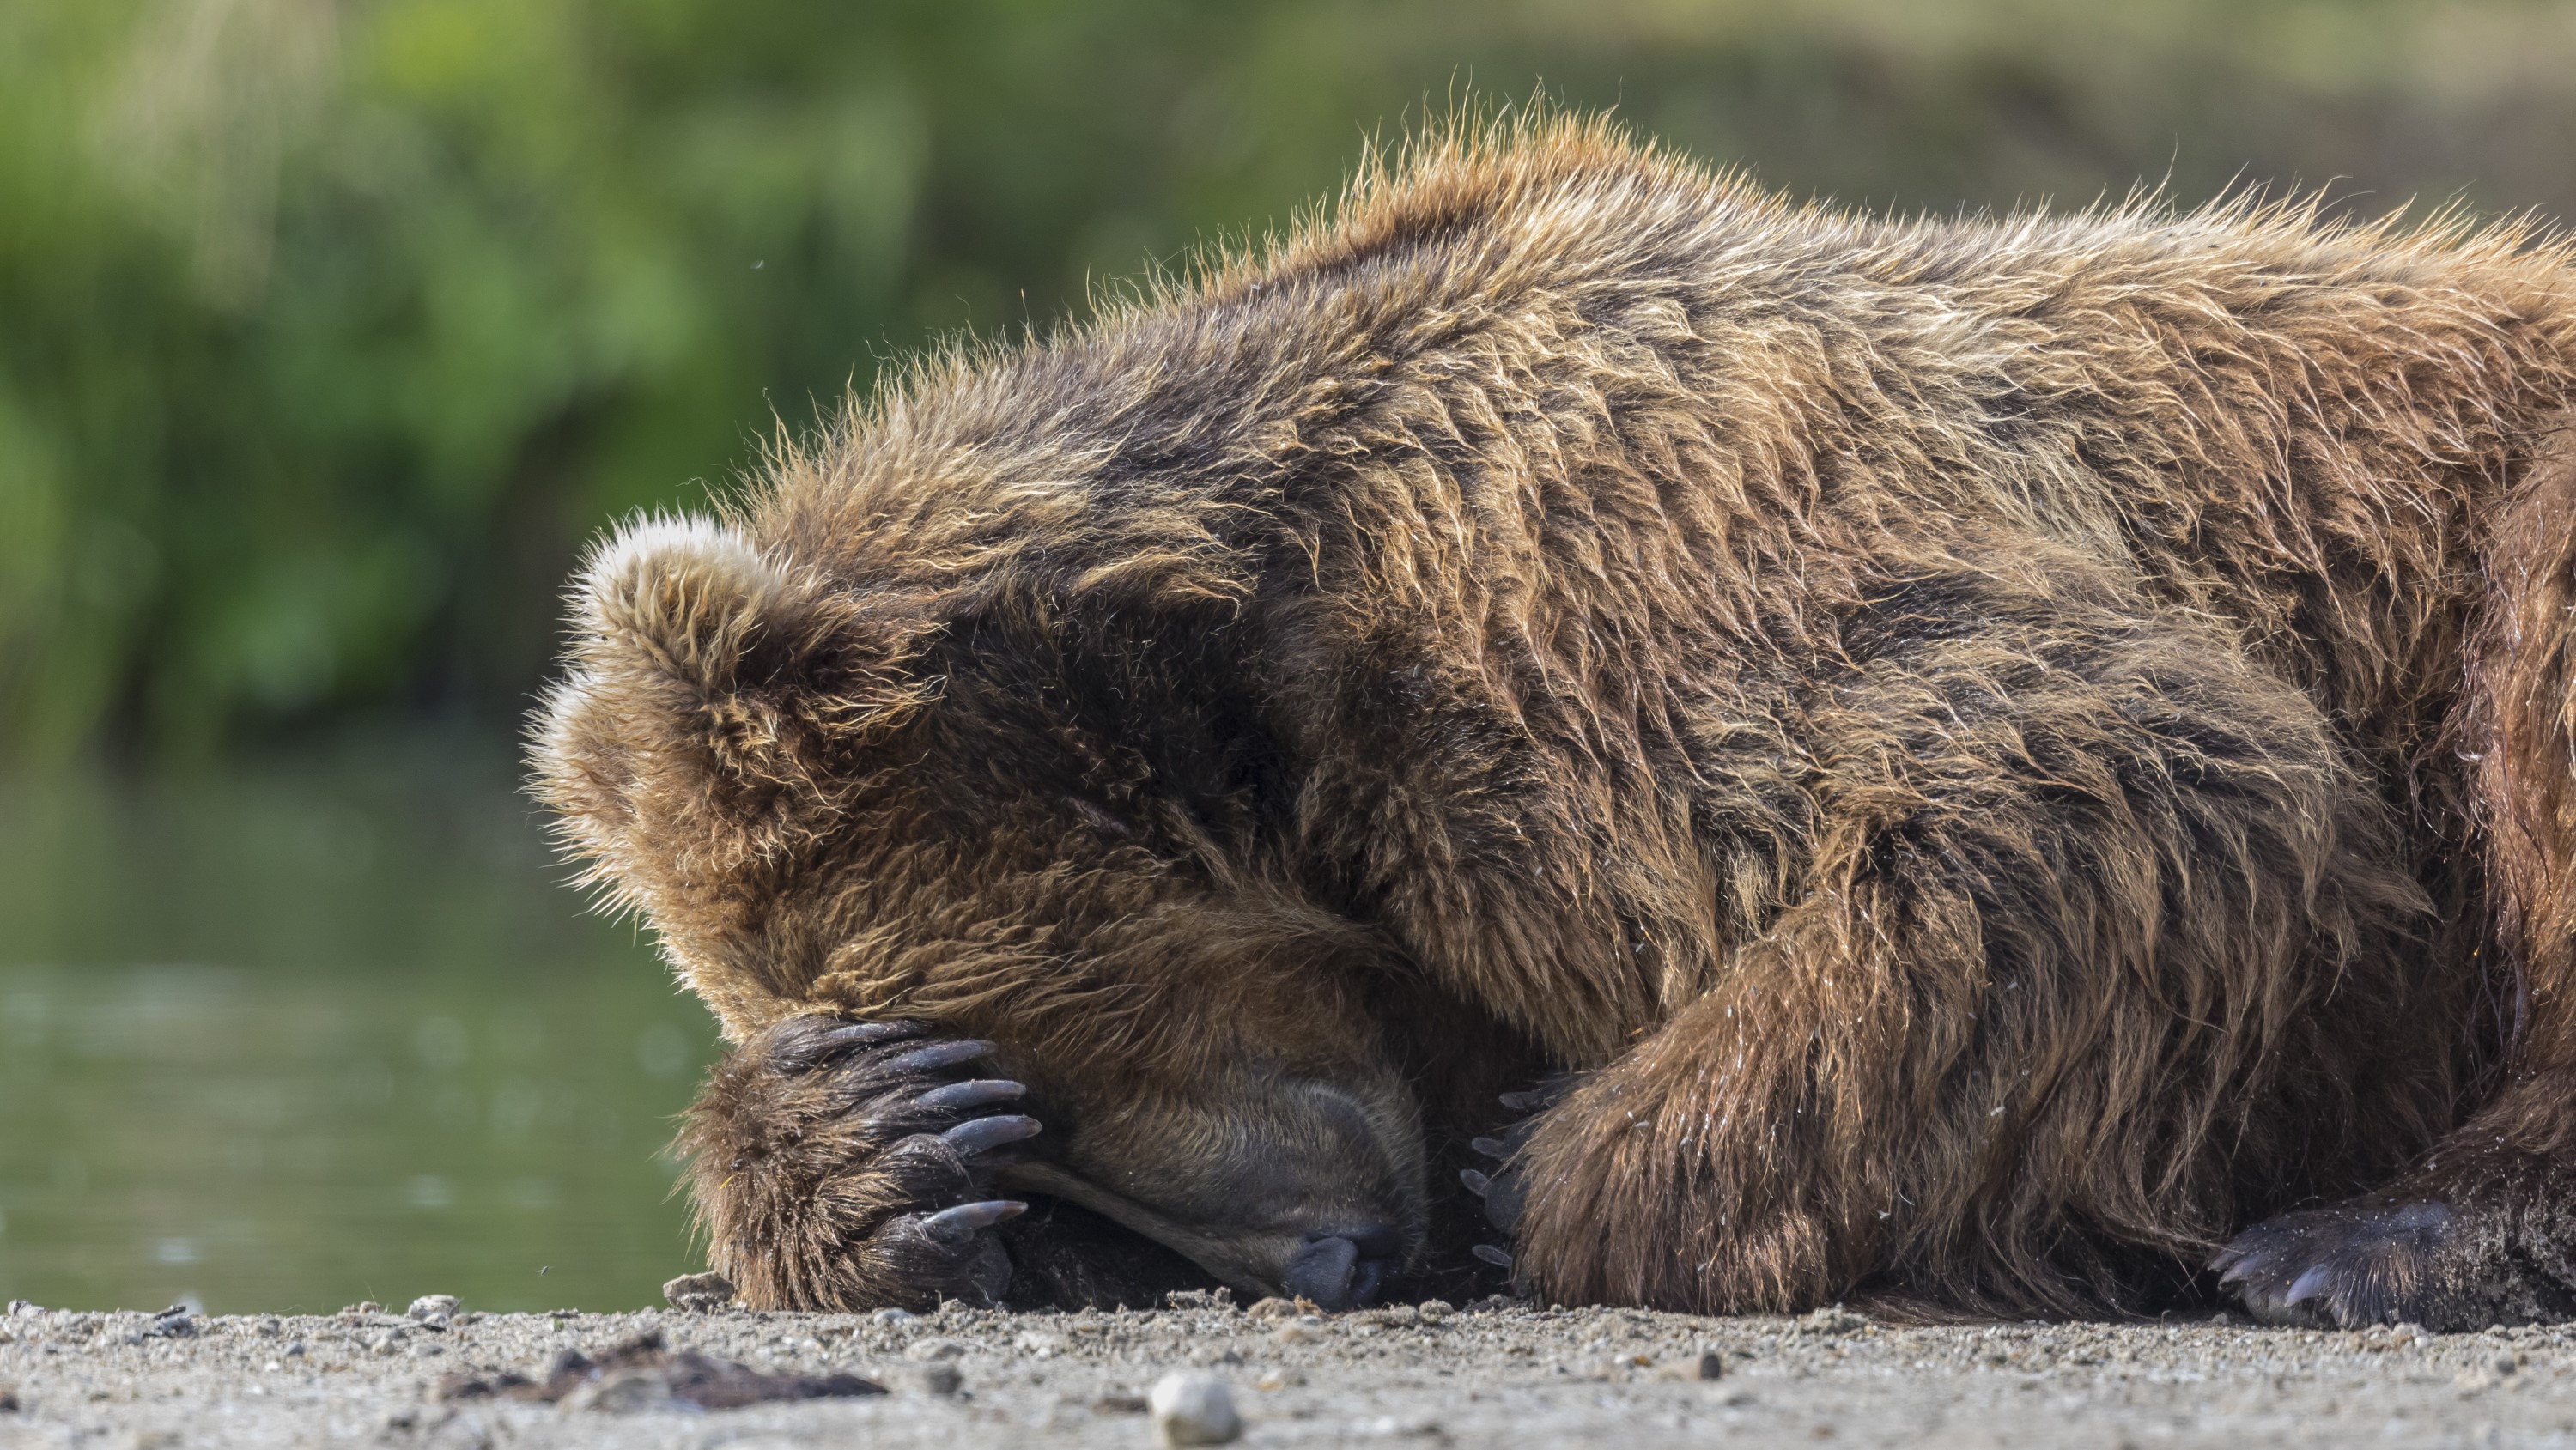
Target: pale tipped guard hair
686,592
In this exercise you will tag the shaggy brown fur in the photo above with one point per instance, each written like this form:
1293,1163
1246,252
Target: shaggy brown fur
1996,754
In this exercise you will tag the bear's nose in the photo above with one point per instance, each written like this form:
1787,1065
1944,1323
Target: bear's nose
1339,1268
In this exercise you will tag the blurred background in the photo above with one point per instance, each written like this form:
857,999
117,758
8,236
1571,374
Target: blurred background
331,329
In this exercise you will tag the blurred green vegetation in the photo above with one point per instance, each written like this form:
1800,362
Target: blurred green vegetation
329,331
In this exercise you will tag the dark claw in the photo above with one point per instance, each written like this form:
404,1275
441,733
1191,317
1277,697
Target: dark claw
977,1093
1525,1102
951,1224
1494,1256
1477,1183
801,1043
936,1055
972,1138
1503,1201
861,1034
1491,1147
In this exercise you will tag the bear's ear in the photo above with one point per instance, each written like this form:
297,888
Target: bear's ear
714,685
680,597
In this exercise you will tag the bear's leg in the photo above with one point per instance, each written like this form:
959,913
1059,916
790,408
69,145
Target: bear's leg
2100,944
2483,1230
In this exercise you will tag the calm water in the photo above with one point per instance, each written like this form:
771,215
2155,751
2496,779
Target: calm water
289,1039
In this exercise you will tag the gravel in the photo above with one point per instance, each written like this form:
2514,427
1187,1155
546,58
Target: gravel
1492,1375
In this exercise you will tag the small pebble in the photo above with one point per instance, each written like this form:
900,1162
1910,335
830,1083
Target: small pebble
893,1316
433,1308
1118,1405
1833,1320
1708,1365
172,1323
1193,1409
941,1379
699,1293
930,1349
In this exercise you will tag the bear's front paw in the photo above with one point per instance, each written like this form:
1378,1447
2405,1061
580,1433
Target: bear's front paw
2493,1244
847,1165
2346,1266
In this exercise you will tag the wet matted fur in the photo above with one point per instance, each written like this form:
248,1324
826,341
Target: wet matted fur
1989,756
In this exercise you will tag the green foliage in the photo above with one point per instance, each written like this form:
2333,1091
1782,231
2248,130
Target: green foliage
328,332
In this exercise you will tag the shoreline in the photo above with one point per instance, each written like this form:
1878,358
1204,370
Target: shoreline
1500,1376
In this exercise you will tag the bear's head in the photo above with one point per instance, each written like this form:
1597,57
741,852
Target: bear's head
841,786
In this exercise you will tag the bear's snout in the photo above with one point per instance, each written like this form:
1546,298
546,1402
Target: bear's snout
1280,1183
1342,1269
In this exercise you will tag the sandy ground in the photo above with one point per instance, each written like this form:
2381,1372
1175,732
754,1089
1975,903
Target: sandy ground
1488,1376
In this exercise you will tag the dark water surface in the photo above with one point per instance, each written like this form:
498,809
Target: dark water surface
289,1038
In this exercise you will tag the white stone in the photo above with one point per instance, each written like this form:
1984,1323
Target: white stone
1193,1409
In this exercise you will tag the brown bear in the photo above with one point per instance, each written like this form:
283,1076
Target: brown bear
2014,765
